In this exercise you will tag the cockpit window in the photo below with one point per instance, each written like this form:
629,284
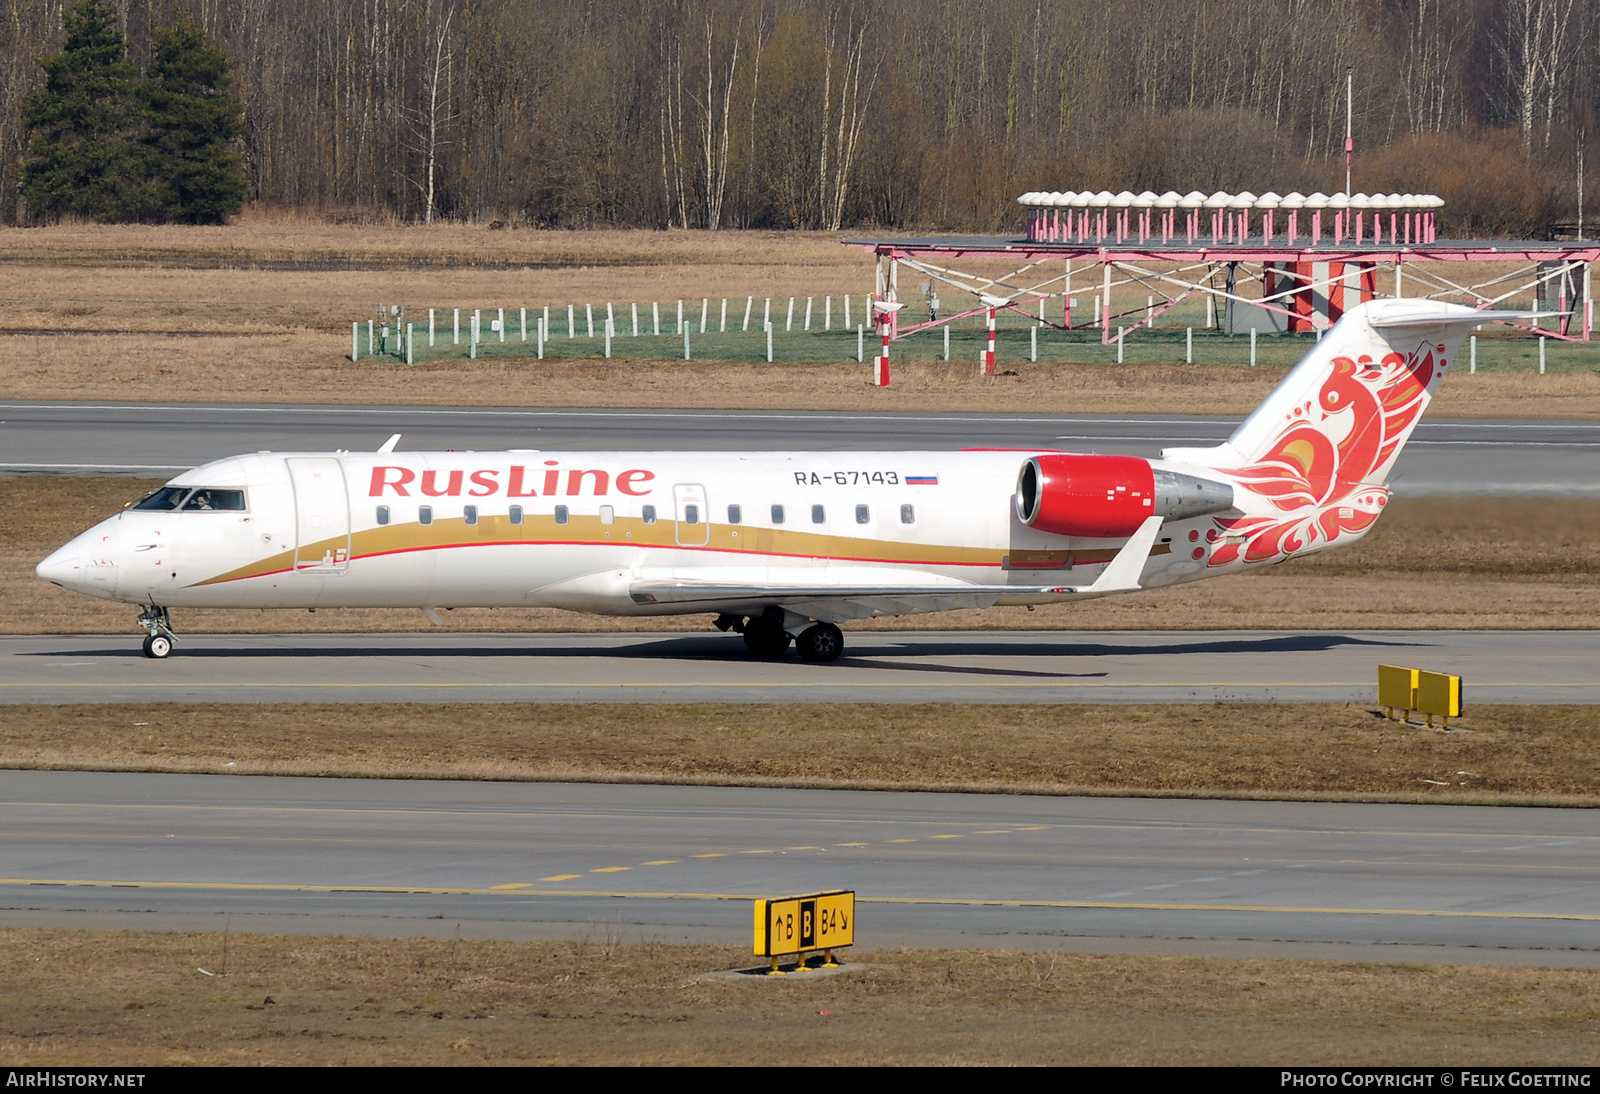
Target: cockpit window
192,499
168,497
208,498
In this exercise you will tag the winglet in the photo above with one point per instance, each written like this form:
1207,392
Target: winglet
388,445
1122,576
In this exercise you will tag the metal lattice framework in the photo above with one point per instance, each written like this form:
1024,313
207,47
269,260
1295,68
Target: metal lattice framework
1303,287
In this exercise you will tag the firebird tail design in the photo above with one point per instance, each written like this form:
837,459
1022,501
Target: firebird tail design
1312,463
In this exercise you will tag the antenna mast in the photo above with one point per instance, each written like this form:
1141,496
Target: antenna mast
1349,102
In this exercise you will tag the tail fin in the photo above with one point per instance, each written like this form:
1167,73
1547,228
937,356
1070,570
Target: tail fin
1337,422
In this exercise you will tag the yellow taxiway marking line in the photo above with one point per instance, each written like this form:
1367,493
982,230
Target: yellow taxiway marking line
946,836
1035,828
662,862
993,832
805,848
611,869
713,854
520,884
849,845
429,890
899,841
560,877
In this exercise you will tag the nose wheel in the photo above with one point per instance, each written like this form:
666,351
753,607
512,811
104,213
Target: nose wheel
158,622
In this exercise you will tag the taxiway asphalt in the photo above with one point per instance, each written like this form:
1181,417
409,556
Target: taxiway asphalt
1445,457
672,863
878,666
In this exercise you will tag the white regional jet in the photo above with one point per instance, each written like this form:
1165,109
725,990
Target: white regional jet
782,546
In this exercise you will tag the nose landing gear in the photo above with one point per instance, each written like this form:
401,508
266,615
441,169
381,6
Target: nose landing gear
158,621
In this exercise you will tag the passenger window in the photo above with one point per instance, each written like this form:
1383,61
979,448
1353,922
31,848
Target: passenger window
735,514
383,514
469,513
818,514
207,498
908,514
648,514
777,514
424,514
608,515
863,514
516,514
691,514
561,514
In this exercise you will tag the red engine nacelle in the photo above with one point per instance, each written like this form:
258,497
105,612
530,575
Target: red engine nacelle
1098,497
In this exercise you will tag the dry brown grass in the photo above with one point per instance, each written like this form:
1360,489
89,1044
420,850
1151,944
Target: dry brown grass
1496,754
1430,563
132,999
278,297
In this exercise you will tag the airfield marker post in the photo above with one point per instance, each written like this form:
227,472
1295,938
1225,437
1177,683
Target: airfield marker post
808,312
686,341
608,336
588,311
723,327
542,323
705,308
355,341
947,341
1119,345
370,339
1252,347
430,328
500,322
846,311
827,313
1472,355
766,312
988,354
1150,312
611,317
788,324
1188,345
1033,343
680,317
455,327
749,303
655,316
861,342
472,338
636,320
410,344
572,323
881,373
1541,355
769,342
545,314
522,324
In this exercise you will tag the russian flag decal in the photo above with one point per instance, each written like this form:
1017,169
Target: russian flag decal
922,480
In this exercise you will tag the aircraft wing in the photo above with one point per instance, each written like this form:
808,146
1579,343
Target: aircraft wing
855,601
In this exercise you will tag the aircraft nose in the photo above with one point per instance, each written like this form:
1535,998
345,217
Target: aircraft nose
64,567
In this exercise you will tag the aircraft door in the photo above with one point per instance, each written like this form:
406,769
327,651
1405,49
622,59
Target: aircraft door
693,515
321,516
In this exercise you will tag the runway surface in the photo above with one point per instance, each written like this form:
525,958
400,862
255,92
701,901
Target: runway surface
673,863
878,666
1476,457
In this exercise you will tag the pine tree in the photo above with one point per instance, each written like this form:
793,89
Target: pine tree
81,157
192,174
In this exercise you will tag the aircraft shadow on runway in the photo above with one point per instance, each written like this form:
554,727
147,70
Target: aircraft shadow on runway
877,650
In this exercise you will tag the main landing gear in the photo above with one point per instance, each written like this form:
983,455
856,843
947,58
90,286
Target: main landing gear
158,643
765,637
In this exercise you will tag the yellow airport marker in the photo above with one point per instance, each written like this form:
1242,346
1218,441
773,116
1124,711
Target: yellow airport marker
713,854
849,845
1034,828
662,862
945,837
900,841
561,877
759,851
611,869
517,884
994,832
805,848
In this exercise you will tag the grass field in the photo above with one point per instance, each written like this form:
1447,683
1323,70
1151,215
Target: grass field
1502,755
132,999
261,311
1499,563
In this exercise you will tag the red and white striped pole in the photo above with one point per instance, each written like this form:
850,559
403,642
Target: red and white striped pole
988,354
881,377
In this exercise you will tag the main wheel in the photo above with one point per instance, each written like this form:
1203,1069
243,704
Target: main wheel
765,638
157,646
823,642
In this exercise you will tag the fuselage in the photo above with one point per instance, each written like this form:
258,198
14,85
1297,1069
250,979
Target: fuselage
578,529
